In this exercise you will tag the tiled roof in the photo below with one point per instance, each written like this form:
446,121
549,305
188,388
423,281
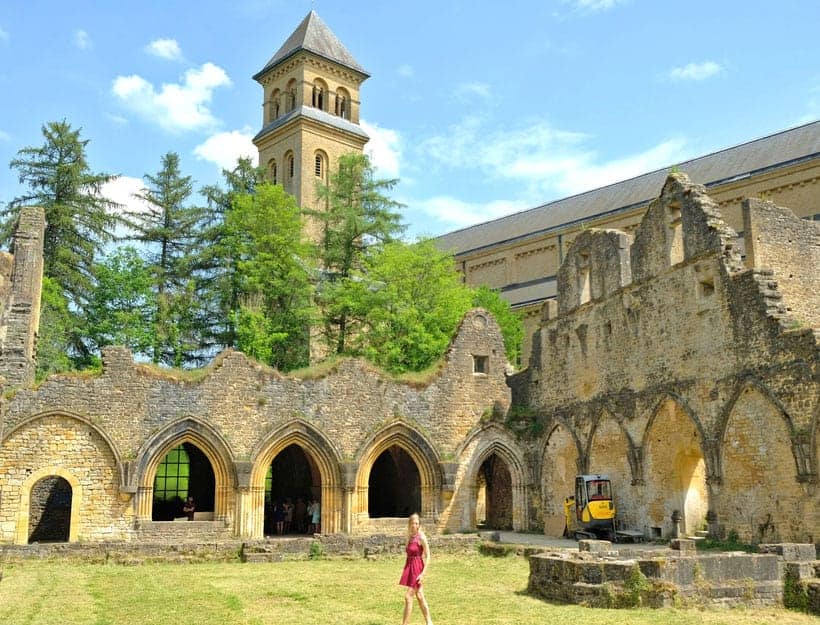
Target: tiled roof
314,36
735,163
317,115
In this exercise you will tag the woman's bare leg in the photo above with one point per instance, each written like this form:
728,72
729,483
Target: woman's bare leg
425,610
408,606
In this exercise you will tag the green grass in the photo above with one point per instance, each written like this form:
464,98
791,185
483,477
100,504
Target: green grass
461,590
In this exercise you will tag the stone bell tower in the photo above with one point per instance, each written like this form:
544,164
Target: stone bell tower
310,111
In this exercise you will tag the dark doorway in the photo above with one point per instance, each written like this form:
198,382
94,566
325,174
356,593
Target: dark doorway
494,486
394,487
292,482
184,472
50,511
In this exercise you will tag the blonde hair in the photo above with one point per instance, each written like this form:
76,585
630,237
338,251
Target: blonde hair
416,516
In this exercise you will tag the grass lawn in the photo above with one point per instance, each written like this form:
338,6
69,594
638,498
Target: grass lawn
461,590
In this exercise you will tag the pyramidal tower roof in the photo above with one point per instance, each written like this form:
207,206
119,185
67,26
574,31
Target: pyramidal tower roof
314,36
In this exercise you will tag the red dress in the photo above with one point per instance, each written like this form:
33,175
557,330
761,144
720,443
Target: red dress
414,564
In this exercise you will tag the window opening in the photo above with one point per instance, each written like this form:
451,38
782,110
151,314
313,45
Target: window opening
318,165
481,364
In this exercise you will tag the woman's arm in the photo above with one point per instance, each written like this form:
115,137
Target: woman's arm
425,554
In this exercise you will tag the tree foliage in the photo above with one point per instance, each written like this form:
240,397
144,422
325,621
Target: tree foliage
274,311
122,305
169,231
512,328
358,218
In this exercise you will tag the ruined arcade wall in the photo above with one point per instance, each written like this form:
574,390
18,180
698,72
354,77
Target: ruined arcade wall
656,348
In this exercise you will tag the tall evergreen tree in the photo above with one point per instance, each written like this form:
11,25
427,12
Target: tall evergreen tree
357,219
169,231
79,222
217,271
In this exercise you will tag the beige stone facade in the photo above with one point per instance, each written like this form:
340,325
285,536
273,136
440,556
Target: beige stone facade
520,254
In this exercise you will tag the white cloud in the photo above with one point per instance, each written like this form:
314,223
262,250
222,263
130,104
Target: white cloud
405,71
453,213
224,149
695,71
176,107
544,162
4,136
384,149
4,36
594,5
122,190
165,49
83,40
469,90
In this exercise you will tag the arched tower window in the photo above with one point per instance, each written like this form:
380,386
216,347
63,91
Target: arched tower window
342,103
319,165
290,170
290,95
273,105
273,170
319,94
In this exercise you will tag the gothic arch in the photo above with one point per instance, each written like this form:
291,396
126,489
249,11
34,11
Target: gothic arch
70,415
21,533
495,440
760,504
611,451
319,449
675,462
203,436
559,463
420,450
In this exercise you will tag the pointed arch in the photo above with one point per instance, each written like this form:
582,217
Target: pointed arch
674,455
203,436
760,504
319,449
420,450
112,447
559,463
611,451
495,440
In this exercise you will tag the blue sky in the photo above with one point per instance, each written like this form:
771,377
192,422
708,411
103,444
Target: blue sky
480,108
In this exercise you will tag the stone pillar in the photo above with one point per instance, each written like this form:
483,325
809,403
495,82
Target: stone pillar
143,503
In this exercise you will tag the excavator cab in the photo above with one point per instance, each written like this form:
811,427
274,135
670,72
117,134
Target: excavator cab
591,512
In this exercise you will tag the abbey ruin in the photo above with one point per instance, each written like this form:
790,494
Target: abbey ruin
665,348
684,372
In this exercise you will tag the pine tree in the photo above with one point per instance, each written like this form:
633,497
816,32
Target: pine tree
169,231
358,219
79,222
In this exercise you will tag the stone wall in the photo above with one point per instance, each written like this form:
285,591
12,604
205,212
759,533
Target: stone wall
683,373
109,432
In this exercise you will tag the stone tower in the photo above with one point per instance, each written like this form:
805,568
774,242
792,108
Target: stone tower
310,111
21,279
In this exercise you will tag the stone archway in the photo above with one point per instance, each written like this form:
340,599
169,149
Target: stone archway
609,451
757,502
404,441
214,451
296,442
675,470
494,506
559,465
34,504
394,485
50,510
184,472
293,480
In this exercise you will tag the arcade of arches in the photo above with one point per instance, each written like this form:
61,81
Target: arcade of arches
699,403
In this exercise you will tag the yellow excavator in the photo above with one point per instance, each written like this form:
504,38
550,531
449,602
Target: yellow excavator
590,513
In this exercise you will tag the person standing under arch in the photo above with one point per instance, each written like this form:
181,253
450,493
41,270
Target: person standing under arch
415,567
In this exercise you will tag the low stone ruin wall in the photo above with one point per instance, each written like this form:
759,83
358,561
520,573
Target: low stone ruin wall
233,550
599,577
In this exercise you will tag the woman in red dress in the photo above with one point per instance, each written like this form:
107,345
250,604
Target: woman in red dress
418,558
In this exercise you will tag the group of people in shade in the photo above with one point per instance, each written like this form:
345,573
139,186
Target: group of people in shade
301,517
